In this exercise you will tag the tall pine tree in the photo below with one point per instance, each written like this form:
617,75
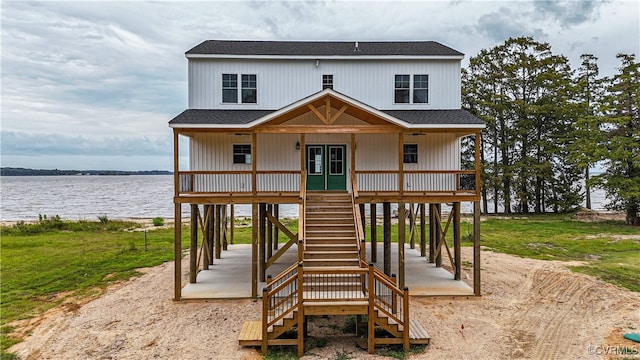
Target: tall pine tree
621,130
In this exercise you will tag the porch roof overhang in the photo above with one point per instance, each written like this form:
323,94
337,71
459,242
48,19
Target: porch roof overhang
270,120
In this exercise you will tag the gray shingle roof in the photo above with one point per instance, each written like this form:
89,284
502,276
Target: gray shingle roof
242,117
435,117
218,117
323,48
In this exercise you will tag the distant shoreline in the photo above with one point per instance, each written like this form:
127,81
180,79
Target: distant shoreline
11,171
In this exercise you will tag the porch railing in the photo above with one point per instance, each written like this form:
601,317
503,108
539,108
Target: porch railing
417,180
238,181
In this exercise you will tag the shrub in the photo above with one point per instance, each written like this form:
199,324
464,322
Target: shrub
103,219
158,221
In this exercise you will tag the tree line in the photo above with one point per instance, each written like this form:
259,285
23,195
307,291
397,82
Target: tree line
549,124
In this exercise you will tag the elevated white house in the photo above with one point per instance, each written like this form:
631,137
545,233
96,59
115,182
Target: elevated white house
330,126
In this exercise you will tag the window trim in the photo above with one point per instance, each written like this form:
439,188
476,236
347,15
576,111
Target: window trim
239,88
237,152
405,153
327,81
229,87
412,88
243,88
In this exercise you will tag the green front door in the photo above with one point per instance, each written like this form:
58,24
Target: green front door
326,167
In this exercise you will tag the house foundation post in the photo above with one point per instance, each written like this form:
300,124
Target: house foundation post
193,246
177,252
386,224
261,239
401,240
232,225
423,232
432,233
374,233
476,248
211,232
216,230
206,251
457,251
254,250
276,214
269,233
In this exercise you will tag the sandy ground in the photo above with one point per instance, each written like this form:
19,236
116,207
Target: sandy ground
530,309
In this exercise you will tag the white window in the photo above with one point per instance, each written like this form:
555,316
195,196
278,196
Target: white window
410,155
229,88
247,92
407,91
327,82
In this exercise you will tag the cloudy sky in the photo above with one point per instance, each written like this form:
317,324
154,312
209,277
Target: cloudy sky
92,85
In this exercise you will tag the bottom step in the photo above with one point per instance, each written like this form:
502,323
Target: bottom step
251,334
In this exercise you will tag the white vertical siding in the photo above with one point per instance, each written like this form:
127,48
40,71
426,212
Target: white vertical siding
282,82
276,152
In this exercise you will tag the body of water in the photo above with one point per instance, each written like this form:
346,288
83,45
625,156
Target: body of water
117,197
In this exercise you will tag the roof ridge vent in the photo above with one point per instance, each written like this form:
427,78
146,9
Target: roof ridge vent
356,47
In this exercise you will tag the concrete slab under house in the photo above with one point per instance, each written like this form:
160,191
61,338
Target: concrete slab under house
334,128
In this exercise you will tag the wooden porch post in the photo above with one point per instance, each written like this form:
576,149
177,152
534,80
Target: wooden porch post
401,164
423,232
193,246
276,214
374,233
438,234
457,251
401,241
254,164
211,232
254,250
269,235
386,224
177,252
216,230
432,233
363,220
262,224
232,226
476,248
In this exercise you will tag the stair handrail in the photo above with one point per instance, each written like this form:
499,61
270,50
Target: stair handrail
302,214
396,308
279,298
357,218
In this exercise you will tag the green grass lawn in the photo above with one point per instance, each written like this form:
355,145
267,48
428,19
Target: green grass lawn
40,262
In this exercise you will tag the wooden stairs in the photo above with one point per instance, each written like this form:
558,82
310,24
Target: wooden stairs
331,279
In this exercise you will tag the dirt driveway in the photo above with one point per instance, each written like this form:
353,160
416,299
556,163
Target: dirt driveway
530,309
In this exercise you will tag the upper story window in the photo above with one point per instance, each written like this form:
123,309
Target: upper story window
229,88
410,154
405,93
241,154
248,90
402,89
327,82
420,89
